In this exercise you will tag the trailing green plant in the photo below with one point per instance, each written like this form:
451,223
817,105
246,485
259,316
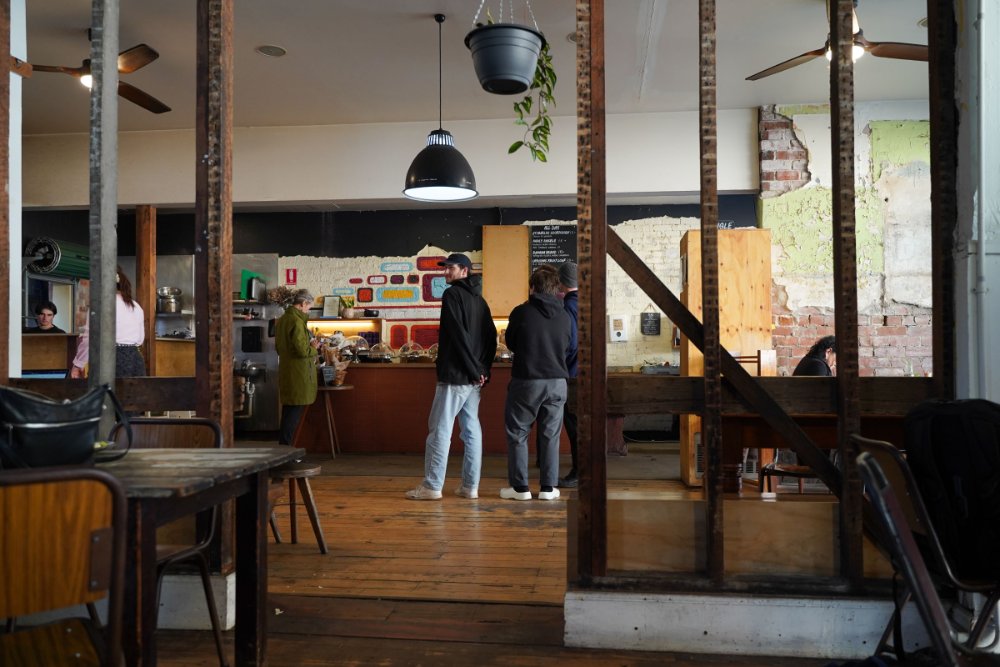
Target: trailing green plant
533,111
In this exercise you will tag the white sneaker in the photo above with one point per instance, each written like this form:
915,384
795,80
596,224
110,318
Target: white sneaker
465,492
508,493
548,495
423,493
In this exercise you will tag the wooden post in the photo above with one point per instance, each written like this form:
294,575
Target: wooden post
103,219
845,292
214,215
944,189
592,259
145,277
711,421
5,248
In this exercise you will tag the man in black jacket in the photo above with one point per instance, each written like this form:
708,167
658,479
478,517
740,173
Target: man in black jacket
467,343
539,334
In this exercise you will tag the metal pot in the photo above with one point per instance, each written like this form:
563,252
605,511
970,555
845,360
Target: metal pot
168,291
256,289
168,304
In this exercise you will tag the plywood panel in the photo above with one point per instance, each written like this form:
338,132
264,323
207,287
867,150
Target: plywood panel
796,535
175,358
506,267
744,313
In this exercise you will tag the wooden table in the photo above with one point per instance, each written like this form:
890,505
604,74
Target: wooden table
331,424
164,484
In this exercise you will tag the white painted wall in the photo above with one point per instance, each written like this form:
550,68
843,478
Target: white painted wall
18,49
977,251
647,153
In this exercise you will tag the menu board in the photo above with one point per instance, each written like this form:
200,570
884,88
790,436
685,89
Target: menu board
552,244
649,324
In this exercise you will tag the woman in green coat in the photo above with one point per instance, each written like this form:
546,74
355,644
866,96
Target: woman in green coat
296,363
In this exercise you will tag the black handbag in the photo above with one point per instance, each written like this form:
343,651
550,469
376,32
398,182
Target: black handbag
37,431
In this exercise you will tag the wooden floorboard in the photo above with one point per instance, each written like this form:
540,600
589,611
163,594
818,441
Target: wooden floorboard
450,582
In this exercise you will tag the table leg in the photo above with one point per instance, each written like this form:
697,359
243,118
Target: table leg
251,573
139,622
331,429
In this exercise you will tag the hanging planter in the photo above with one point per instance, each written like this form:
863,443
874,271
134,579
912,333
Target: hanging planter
505,56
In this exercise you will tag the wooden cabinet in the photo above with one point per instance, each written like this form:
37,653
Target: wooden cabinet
744,315
174,357
47,352
506,267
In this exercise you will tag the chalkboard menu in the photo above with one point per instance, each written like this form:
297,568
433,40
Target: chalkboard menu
552,244
649,324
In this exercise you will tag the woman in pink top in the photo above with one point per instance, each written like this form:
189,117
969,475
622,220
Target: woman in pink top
130,333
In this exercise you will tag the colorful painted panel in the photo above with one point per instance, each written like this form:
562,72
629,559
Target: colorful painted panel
366,295
396,267
434,287
412,279
429,263
398,294
356,281
399,335
425,334
396,280
376,280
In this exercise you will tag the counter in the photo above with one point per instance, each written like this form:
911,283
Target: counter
388,408
47,352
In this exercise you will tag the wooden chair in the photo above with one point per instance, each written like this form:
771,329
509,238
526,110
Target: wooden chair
899,539
897,473
157,433
62,543
296,473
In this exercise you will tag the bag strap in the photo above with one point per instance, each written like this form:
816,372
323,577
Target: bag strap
120,418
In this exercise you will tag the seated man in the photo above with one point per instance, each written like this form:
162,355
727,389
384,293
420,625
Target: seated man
45,312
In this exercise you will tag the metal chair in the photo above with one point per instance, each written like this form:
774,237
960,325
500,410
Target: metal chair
62,543
900,542
157,433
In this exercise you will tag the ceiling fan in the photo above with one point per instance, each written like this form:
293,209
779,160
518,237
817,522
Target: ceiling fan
898,50
129,61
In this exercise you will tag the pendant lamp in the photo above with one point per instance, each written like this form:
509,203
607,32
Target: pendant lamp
439,172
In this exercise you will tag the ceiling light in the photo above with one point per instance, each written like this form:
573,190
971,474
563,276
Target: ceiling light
856,52
439,172
270,50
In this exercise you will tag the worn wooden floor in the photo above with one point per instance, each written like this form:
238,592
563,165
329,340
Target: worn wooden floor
454,582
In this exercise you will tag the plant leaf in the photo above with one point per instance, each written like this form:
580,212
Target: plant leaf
514,147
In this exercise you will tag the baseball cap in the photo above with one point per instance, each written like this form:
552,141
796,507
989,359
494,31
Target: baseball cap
567,274
457,258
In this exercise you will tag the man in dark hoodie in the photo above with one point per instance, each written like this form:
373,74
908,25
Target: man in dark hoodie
467,343
539,334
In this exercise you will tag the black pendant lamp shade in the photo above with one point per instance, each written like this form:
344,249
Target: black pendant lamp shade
439,172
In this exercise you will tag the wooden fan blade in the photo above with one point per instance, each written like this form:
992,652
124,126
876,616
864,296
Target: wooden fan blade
135,58
143,99
72,71
788,64
898,50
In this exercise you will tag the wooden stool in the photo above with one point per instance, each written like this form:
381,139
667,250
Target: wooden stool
298,472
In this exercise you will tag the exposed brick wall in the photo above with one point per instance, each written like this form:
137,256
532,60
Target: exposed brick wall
892,343
784,161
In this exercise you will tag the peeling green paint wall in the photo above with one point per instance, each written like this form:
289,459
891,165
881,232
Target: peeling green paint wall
791,110
897,143
801,223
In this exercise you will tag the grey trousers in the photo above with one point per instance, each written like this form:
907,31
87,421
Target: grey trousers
528,402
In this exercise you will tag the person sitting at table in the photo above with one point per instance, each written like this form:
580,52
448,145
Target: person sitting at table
45,312
820,360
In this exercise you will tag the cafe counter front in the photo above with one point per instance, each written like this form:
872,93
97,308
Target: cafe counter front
386,411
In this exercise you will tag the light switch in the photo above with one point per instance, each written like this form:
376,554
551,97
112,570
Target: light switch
617,328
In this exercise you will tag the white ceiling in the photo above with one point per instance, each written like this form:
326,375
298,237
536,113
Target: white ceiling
353,61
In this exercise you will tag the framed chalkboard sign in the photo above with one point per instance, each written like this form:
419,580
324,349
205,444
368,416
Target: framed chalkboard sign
649,324
552,244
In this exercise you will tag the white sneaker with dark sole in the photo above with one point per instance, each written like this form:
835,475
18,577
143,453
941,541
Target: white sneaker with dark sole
465,492
508,493
423,493
548,495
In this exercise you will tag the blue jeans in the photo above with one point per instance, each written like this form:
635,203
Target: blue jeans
451,401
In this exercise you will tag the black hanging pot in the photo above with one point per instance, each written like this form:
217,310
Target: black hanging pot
505,56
